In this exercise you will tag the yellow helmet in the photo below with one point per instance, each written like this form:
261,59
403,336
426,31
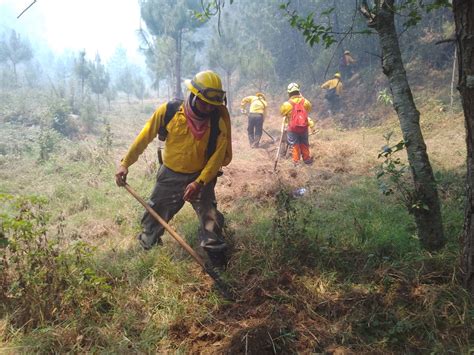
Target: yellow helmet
207,85
260,94
337,75
293,87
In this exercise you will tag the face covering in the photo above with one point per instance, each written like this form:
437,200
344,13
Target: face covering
197,122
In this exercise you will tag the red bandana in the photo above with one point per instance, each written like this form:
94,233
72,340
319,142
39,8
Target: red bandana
197,126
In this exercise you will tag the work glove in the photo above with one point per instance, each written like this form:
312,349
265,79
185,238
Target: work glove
243,111
192,191
121,176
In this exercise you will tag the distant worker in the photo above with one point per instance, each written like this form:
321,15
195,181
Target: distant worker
333,94
257,111
197,144
295,111
346,65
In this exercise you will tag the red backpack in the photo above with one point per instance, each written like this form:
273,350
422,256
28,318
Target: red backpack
299,117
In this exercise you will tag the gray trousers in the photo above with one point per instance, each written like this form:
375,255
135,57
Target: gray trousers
255,128
167,199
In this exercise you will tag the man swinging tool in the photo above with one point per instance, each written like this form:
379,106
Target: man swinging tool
197,144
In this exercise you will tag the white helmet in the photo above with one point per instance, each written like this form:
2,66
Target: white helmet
293,87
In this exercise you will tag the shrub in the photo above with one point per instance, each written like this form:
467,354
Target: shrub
106,139
391,175
48,140
385,97
41,282
61,122
88,114
294,245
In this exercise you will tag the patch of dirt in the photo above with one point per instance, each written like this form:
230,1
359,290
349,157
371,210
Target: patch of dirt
251,173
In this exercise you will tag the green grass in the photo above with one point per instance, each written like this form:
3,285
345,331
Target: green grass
341,264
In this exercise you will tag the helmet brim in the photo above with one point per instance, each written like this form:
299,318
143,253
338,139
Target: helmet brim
196,92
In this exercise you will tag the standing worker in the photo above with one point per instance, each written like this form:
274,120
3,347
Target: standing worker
197,144
295,111
346,65
333,94
257,111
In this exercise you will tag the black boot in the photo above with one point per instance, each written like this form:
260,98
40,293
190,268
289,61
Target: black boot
218,259
147,242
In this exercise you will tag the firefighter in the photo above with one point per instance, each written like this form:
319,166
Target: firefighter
197,145
296,111
257,110
333,94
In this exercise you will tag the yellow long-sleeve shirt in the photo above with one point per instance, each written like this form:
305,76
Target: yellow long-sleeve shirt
183,153
257,104
333,83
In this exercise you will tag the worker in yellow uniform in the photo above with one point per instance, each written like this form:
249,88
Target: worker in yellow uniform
347,65
334,91
257,110
197,144
295,111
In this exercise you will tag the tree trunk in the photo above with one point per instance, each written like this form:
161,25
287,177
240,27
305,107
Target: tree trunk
464,19
14,72
336,24
451,99
179,92
426,206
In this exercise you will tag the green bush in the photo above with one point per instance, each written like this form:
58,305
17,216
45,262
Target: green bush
88,113
292,241
59,111
48,140
43,283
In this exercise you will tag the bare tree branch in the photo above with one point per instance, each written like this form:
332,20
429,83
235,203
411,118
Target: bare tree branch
446,40
26,9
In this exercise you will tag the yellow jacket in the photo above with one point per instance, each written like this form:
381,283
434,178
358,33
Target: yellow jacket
333,83
286,107
183,153
257,104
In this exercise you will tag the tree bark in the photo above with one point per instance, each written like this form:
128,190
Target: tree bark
426,206
451,99
464,20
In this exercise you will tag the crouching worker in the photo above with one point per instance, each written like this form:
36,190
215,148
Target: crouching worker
257,111
333,94
197,144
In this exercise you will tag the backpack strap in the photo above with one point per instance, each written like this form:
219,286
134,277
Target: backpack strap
171,108
213,134
292,103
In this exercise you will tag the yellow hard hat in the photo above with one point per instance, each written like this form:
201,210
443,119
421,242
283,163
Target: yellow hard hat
260,94
337,75
293,87
207,85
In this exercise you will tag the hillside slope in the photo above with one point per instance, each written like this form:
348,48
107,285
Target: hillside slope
337,270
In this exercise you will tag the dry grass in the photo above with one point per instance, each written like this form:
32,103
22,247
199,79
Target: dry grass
354,300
